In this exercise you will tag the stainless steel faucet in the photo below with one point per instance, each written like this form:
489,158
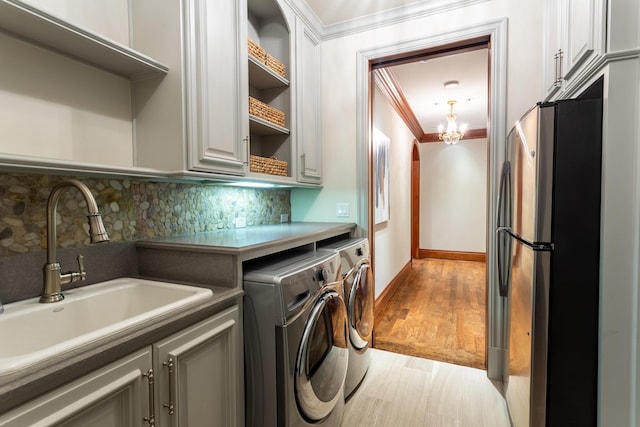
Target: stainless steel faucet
53,278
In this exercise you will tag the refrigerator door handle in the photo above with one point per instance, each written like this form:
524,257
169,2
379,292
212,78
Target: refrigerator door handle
503,281
503,226
536,246
504,194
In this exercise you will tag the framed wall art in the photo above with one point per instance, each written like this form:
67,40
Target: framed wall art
381,176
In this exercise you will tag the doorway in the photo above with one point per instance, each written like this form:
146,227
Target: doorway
438,311
495,33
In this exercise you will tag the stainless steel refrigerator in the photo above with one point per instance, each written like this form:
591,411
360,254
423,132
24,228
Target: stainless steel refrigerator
548,244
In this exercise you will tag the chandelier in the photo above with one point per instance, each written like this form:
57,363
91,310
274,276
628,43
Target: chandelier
452,135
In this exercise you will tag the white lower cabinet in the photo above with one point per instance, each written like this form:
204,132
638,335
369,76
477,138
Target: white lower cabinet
115,395
191,378
197,376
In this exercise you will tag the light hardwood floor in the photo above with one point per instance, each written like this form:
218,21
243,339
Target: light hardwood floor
407,391
437,312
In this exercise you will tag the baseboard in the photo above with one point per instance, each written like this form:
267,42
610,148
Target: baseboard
460,256
383,299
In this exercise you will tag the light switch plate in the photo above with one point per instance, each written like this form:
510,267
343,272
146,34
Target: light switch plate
241,222
342,209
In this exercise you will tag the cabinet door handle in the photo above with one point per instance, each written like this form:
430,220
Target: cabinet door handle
558,58
151,420
303,159
246,141
170,369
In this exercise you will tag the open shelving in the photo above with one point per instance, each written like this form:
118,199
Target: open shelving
34,25
268,27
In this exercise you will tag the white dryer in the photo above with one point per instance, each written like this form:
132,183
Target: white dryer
359,295
295,332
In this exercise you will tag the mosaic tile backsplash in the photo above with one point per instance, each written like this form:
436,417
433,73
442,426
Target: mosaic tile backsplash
131,210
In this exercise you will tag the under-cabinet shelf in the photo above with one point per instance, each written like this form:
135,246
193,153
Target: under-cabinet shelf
31,24
260,126
263,77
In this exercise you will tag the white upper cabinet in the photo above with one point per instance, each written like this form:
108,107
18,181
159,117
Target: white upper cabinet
582,35
551,79
216,89
193,119
308,106
574,36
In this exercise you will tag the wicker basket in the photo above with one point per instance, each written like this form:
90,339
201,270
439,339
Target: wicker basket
268,165
256,51
275,65
267,112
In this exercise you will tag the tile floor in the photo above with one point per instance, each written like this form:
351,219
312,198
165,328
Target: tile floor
408,391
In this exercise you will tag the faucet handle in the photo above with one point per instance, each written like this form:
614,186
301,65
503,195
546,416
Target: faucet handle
81,270
69,277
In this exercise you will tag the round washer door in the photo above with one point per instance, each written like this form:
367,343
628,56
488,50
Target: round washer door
360,306
321,363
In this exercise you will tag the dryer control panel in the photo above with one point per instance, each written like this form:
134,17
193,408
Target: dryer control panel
299,288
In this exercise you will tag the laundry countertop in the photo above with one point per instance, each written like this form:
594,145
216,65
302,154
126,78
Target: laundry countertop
253,241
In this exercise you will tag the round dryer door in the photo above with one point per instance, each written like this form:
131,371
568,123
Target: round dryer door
360,305
321,364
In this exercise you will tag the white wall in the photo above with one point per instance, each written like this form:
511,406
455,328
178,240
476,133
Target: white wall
453,196
393,237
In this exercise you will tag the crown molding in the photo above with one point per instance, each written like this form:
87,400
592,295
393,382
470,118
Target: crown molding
307,15
375,20
388,85
469,134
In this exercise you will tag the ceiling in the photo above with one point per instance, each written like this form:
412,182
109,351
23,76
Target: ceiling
422,82
335,11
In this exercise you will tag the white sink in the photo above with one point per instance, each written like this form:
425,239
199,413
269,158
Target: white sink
31,332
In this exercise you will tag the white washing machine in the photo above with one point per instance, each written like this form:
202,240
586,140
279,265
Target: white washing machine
359,295
295,332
